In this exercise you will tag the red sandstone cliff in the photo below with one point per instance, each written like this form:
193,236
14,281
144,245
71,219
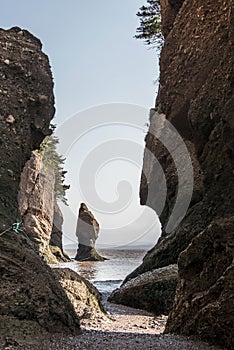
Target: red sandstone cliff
32,302
196,97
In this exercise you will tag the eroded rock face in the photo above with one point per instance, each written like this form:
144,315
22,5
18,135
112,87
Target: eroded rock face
206,272
153,291
169,10
36,201
56,245
196,96
32,303
87,233
38,207
57,232
83,295
24,117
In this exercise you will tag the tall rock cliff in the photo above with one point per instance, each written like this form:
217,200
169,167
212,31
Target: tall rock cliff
26,107
38,207
32,301
196,97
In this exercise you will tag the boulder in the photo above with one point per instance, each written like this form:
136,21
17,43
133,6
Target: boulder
87,233
82,294
152,291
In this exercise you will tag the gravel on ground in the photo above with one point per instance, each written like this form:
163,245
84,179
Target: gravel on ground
122,328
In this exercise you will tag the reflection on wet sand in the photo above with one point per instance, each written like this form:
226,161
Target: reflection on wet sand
108,274
87,269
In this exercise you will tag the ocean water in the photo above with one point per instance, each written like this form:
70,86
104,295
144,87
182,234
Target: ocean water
109,274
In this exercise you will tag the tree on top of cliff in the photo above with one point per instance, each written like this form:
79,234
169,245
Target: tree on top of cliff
150,24
56,162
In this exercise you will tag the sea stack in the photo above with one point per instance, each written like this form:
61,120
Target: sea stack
87,231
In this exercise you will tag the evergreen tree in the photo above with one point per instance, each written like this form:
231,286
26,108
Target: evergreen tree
55,161
150,24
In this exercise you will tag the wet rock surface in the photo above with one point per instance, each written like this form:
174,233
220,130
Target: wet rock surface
153,291
87,233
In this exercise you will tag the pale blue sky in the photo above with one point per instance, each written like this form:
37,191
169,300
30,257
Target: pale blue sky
91,48
95,60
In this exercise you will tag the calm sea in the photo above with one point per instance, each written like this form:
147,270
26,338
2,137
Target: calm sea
109,274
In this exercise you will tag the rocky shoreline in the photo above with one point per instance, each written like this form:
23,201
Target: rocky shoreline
122,328
48,309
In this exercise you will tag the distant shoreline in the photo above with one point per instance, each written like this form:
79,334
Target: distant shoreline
143,247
